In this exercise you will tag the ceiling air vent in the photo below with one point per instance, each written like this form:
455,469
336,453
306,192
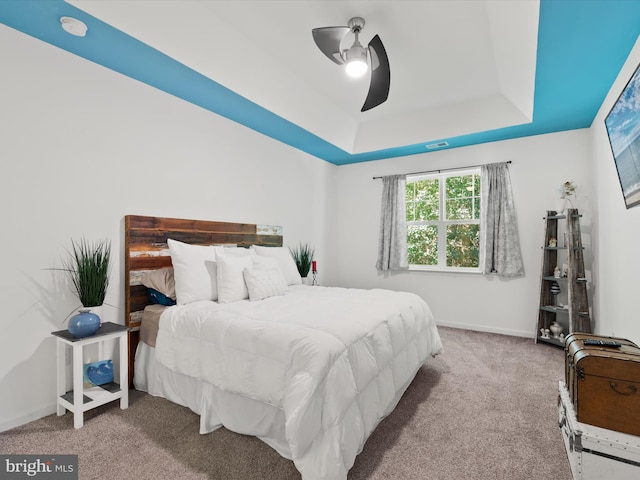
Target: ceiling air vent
431,146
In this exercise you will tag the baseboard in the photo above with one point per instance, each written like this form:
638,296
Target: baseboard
30,417
480,328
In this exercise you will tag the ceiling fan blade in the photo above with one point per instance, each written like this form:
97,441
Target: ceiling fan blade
328,40
380,75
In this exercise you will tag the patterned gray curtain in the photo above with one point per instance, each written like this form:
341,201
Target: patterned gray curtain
498,225
392,245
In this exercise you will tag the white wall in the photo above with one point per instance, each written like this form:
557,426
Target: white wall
617,256
540,166
81,147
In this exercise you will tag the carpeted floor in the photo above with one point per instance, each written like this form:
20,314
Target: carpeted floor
485,409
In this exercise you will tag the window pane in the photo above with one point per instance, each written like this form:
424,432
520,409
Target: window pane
461,195
460,209
463,245
422,244
427,200
460,187
426,211
428,190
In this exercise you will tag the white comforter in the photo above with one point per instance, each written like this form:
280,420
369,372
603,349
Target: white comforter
335,360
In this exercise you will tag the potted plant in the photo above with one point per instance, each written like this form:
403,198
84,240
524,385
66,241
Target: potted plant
303,256
88,268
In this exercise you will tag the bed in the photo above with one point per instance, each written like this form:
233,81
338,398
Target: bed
309,370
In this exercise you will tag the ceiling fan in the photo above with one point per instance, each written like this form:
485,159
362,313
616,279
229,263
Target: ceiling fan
357,58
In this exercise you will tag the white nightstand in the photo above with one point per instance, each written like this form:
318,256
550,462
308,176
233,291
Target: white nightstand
81,399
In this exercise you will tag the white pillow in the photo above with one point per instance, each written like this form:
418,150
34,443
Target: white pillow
266,263
283,256
231,284
233,251
264,283
194,270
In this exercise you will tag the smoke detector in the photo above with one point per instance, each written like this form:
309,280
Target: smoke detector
73,26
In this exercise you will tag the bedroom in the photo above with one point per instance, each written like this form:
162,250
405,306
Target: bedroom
82,146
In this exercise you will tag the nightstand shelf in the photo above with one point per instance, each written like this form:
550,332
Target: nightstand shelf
80,398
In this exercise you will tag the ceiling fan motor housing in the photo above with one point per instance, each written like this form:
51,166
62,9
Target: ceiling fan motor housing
356,24
356,56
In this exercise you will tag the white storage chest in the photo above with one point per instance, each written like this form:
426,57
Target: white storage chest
596,453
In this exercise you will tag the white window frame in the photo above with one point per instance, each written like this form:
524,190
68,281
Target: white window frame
442,223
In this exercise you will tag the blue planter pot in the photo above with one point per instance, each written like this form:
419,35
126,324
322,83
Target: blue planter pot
84,324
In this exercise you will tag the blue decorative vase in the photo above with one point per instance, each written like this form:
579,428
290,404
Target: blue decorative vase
84,324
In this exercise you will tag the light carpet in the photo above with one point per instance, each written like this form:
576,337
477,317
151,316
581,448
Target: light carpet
485,409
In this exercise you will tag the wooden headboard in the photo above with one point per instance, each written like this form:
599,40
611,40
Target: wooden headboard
145,248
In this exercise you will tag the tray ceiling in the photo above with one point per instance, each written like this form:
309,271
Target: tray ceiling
462,71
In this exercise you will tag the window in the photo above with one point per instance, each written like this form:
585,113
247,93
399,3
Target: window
443,221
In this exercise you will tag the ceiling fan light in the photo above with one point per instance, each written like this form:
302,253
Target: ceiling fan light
356,68
356,59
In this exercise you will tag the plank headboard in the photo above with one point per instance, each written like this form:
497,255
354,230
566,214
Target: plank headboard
145,248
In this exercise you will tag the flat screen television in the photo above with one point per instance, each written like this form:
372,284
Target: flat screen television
623,128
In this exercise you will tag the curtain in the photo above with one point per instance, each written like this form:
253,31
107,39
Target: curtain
392,245
498,225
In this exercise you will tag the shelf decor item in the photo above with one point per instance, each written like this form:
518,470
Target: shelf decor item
303,256
97,373
556,329
84,324
567,190
88,268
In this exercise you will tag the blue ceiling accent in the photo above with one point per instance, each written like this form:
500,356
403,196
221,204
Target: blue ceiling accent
582,45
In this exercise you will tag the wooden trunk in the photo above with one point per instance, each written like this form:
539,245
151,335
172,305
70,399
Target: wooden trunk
573,343
604,383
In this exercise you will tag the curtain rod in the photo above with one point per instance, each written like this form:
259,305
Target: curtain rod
442,170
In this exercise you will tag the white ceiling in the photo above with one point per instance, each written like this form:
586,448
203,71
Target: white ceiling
457,66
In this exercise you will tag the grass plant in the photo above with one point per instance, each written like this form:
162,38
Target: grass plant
303,256
88,269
